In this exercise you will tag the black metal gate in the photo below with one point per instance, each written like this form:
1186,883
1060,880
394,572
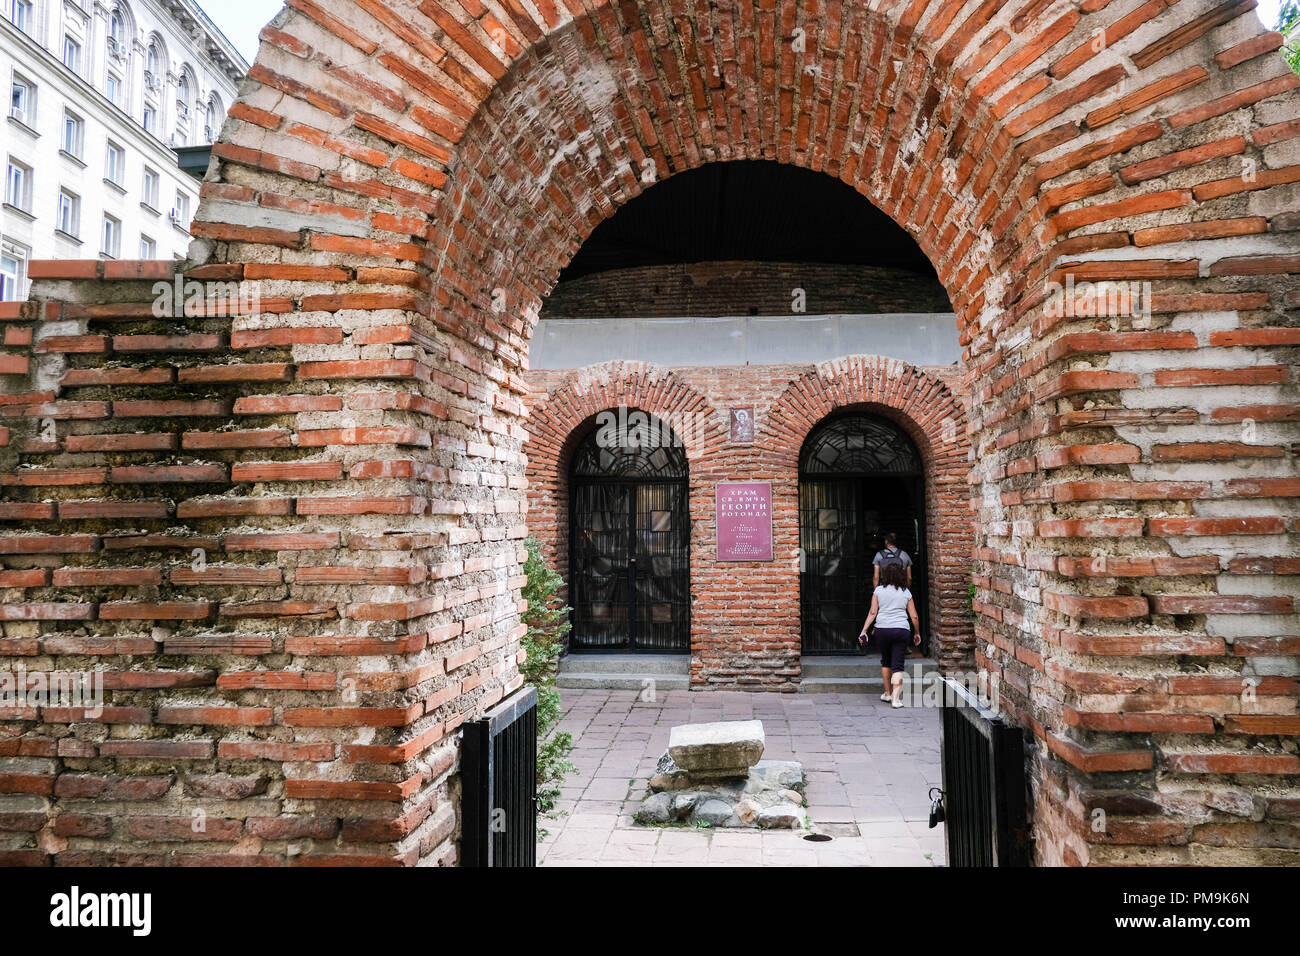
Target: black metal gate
860,477
983,783
629,545
499,784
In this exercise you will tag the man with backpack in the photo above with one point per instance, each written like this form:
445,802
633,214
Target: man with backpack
891,554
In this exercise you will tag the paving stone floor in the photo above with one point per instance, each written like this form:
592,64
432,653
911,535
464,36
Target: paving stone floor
869,769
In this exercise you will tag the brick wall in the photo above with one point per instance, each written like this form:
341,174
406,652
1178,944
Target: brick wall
413,177
744,288
745,615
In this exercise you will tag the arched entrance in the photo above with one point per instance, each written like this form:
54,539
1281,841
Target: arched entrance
405,213
629,538
860,478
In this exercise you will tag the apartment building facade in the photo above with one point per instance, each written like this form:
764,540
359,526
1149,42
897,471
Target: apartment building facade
99,96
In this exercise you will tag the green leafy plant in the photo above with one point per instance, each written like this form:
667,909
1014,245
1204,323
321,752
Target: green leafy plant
547,620
1288,24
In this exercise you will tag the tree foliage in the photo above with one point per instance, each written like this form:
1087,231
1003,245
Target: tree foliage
1288,24
547,620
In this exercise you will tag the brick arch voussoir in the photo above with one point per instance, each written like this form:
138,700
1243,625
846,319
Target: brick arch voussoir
931,413
562,417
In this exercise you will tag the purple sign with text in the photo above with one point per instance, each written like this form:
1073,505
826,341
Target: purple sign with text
745,521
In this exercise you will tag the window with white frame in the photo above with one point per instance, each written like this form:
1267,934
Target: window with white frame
148,248
149,189
183,111
114,163
22,100
212,121
74,133
18,185
72,54
110,242
181,211
149,120
13,271
20,14
117,34
69,218
113,88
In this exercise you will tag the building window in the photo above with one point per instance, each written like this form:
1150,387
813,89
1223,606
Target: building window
153,70
117,35
182,134
150,120
148,248
114,163
113,89
212,121
69,219
22,101
72,54
18,186
150,188
110,243
13,272
181,211
20,12
74,134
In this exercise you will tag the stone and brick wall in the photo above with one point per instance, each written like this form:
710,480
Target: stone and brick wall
406,181
745,615
744,288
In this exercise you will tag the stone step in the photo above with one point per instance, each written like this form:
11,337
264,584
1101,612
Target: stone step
854,666
594,680
845,685
625,664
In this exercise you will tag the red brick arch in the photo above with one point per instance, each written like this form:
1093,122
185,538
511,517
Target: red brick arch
561,417
404,183
924,406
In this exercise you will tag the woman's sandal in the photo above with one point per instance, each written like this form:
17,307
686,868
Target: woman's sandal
897,705
886,698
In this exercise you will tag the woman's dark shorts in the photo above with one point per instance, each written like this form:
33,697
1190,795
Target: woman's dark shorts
893,643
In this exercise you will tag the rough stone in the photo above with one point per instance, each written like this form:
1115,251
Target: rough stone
656,809
684,803
782,816
717,750
775,775
669,776
714,812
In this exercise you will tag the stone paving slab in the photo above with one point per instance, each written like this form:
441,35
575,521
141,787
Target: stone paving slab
869,770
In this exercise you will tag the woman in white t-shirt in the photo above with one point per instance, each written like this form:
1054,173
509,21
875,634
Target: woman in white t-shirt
892,608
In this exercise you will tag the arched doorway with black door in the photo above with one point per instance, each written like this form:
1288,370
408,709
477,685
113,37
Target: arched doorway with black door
629,538
860,478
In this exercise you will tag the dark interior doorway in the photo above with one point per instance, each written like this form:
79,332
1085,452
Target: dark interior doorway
860,477
629,543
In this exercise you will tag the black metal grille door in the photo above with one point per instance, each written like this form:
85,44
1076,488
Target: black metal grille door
629,548
860,477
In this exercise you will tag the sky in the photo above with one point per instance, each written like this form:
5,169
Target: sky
241,20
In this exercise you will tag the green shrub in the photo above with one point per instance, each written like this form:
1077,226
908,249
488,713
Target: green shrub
1288,24
548,625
